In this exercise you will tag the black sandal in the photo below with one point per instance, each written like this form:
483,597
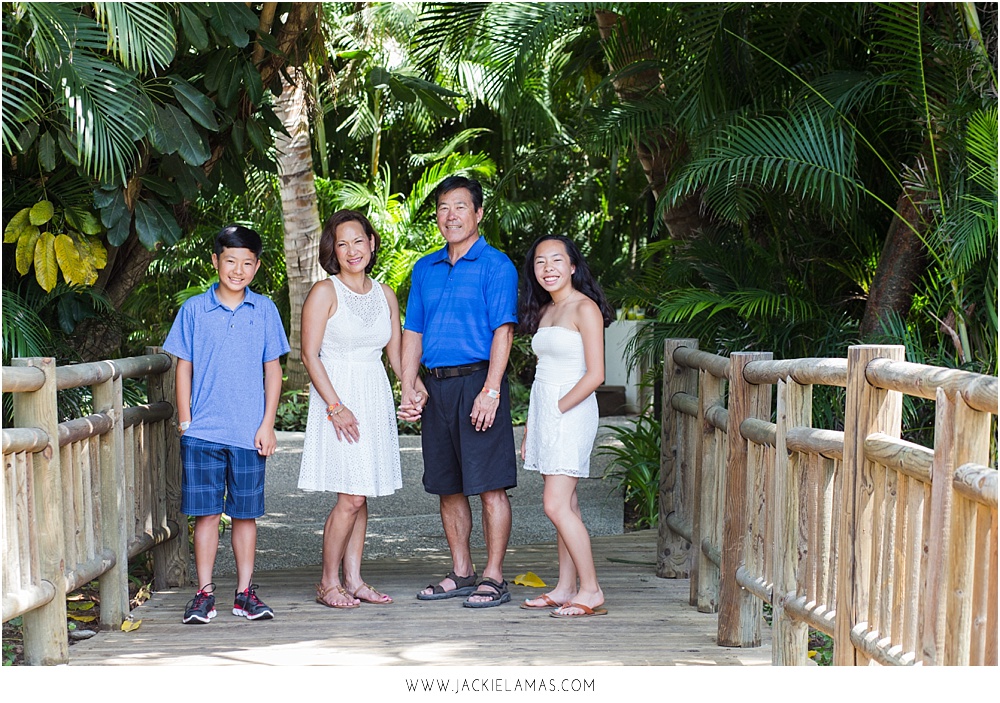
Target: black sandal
464,585
499,594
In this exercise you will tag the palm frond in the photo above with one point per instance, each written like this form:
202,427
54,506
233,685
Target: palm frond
981,143
466,135
25,334
140,34
100,99
21,101
802,153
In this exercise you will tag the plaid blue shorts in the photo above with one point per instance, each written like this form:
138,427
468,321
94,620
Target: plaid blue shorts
219,478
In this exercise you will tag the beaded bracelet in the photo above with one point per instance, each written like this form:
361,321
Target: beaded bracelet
331,410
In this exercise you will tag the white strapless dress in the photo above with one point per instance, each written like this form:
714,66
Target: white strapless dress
559,443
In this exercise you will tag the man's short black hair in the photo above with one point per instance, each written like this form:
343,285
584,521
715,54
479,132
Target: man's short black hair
238,237
454,183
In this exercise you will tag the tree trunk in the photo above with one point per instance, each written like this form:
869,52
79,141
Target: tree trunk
300,213
659,152
899,267
127,265
100,338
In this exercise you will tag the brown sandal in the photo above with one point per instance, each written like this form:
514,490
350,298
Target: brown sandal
321,592
560,612
386,599
549,603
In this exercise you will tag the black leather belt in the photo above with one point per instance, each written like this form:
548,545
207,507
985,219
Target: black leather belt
463,370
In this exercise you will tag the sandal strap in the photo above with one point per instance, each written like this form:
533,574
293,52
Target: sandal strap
462,581
372,589
499,588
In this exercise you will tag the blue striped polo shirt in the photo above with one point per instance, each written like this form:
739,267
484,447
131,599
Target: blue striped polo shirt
457,308
228,349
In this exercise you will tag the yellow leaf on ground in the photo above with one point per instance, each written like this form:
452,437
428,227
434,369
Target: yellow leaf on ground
130,625
529,579
82,618
80,605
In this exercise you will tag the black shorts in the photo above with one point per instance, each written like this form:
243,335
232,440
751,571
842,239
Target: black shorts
457,458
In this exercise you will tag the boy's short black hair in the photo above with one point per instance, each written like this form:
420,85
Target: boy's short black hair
454,183
238,237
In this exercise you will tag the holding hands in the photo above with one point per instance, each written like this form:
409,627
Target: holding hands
411,403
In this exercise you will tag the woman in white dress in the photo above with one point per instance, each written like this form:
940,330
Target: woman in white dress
351,445
565,310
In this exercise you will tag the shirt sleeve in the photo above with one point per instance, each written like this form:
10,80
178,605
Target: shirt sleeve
180,339
502,294
414,318
275,340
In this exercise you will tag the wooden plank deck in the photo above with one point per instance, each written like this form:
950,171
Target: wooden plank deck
649,623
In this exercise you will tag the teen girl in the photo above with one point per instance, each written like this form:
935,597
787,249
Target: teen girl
564,309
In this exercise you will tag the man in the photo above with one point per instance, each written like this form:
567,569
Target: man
460,319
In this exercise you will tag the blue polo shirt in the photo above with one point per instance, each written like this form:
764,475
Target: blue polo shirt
457,308
228,349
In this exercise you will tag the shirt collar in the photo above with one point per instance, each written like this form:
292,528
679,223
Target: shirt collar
212,300
472,254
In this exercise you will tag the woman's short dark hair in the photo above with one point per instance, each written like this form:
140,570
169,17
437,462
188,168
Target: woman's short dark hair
238,237
533,297
328,240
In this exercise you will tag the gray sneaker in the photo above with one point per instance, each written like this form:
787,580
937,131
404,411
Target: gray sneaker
249,606
201,609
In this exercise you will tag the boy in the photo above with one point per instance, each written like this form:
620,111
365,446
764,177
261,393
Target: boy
227,342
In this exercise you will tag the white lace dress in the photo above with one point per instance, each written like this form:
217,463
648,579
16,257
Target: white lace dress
559,443
351,352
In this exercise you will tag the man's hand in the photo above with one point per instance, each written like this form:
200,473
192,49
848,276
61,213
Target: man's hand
484,411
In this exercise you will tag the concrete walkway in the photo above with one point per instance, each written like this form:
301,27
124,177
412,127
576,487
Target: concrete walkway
407,523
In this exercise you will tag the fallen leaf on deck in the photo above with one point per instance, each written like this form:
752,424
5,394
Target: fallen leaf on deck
529,579
130,625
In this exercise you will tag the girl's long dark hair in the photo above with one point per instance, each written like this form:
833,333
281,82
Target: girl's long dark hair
533,297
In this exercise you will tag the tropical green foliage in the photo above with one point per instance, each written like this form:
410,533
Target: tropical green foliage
635,467
802,179
116,117
804,134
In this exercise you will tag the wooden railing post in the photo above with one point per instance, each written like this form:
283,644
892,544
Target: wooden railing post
45,636
961,436
868,410
676,462
113,583
707,486
170,558
740,612
790,645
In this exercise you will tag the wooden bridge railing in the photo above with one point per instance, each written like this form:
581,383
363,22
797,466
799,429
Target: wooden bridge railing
887,546
82,497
